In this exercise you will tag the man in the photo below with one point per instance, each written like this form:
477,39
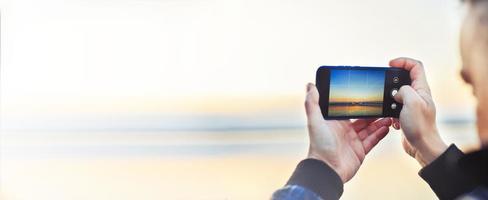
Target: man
337,148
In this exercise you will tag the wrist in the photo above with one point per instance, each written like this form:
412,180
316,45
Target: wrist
430,148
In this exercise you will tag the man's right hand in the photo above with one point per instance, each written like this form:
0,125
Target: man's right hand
417,118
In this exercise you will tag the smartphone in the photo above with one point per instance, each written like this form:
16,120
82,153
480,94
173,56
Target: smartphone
353,92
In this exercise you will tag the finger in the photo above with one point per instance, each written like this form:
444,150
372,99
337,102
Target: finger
373,139
417,72
406,95
396,123
363,134
312,108
407,147
409,98
360,124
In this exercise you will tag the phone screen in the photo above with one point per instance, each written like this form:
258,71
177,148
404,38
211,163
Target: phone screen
356,92
352,92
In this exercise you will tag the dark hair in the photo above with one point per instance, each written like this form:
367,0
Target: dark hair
473,1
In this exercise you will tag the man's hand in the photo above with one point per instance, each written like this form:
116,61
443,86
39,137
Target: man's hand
341,144
417,118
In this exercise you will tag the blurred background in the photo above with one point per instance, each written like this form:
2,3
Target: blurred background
203,99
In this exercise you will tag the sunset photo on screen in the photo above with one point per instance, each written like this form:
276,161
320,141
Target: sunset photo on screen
356,92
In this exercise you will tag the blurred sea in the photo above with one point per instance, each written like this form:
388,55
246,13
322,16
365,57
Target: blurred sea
216,164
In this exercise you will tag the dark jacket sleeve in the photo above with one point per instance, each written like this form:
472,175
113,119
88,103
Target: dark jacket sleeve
318,177
445,177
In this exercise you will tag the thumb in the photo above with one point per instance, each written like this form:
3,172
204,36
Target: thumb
406,95
312,107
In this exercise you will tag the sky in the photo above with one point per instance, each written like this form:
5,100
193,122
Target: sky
152,63
356,85
196,66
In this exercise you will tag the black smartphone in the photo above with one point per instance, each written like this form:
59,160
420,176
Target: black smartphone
352,92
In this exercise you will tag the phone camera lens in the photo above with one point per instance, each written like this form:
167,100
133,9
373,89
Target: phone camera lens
393,106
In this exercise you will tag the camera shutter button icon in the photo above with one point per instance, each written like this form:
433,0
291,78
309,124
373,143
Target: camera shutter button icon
393,106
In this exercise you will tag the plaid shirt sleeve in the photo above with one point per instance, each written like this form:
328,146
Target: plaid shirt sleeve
294,192
311,180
